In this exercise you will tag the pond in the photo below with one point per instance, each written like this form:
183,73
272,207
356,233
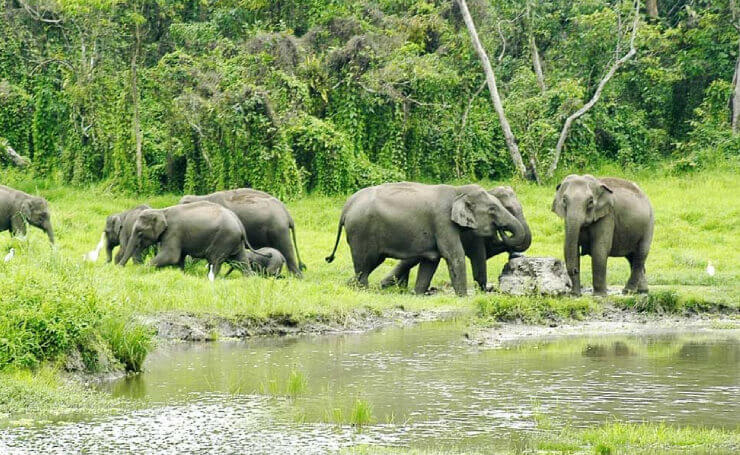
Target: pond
425,386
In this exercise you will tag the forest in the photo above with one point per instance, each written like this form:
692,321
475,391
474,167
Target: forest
330,96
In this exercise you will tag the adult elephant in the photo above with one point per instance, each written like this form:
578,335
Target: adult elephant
604,217
478,249
202,230
17,208
265,218
118,229
421,222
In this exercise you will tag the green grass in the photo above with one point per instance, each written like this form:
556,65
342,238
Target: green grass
32,397
615,438
294,385
53,304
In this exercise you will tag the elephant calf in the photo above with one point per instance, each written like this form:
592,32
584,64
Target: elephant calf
17,208
269,261
118,229
265,218
201,230
604,217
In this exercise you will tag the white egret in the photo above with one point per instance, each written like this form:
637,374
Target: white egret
211,276
92,256
10,255
710,268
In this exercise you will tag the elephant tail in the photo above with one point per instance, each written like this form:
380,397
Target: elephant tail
330,258
301,265
250,247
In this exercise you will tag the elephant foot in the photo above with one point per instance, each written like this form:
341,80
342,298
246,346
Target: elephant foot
431,291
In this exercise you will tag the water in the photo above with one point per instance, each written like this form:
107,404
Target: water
426,386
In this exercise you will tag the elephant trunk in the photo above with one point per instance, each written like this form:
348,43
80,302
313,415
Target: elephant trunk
130,249
526,241
518,236
49,230
109,245
572,253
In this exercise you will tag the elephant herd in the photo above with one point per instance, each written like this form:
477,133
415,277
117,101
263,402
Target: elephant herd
416,223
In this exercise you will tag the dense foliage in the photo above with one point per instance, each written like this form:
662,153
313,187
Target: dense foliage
330,95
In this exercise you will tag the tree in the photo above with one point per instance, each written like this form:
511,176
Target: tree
735,97
516,156
597,94
652,8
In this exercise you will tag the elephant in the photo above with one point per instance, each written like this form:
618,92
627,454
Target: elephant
478,249
118,228
202,230
421,222
604,217
265,218
269,263
17,208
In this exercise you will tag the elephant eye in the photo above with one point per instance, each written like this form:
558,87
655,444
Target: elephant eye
591,202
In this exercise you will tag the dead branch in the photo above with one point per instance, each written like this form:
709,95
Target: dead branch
516,156
12,155
597,94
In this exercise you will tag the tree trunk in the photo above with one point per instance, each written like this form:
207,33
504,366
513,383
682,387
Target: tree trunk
597,94
735,103
537,63
652,8
516,157
135,100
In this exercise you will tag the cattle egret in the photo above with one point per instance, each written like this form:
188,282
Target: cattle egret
211,276
710,268
92,256
10,255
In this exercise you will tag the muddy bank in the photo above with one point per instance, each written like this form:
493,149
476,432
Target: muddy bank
184,326
612,322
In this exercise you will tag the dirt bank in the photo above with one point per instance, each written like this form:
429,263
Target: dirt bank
611,322
182,326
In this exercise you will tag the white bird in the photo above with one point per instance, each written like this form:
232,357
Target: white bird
211,276
92,256
10,255
710,268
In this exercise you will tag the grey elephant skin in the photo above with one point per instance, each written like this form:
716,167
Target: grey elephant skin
421,222
17,208
202,230
477,249
269,262
604,217
118,229
265,218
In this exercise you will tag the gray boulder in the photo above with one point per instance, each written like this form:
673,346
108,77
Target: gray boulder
532,275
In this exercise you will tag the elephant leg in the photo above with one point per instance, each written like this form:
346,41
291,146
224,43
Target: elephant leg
637,281
364,266
452,250
599,256
425,274
282,243
181,262
399,276
477,255
166,256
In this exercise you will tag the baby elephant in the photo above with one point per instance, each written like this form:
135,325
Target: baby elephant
604,217
269,261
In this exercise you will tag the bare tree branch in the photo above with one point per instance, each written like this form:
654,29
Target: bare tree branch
516,156
12,155
464,122
37,15
597,94
536,60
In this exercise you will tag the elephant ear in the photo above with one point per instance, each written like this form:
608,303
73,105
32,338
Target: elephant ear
604,201
159,225
557,203
116,225
26,208
462,212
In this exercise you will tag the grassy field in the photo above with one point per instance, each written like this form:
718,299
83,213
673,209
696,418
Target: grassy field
52,303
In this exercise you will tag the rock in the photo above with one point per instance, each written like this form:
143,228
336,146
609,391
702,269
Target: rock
534,275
